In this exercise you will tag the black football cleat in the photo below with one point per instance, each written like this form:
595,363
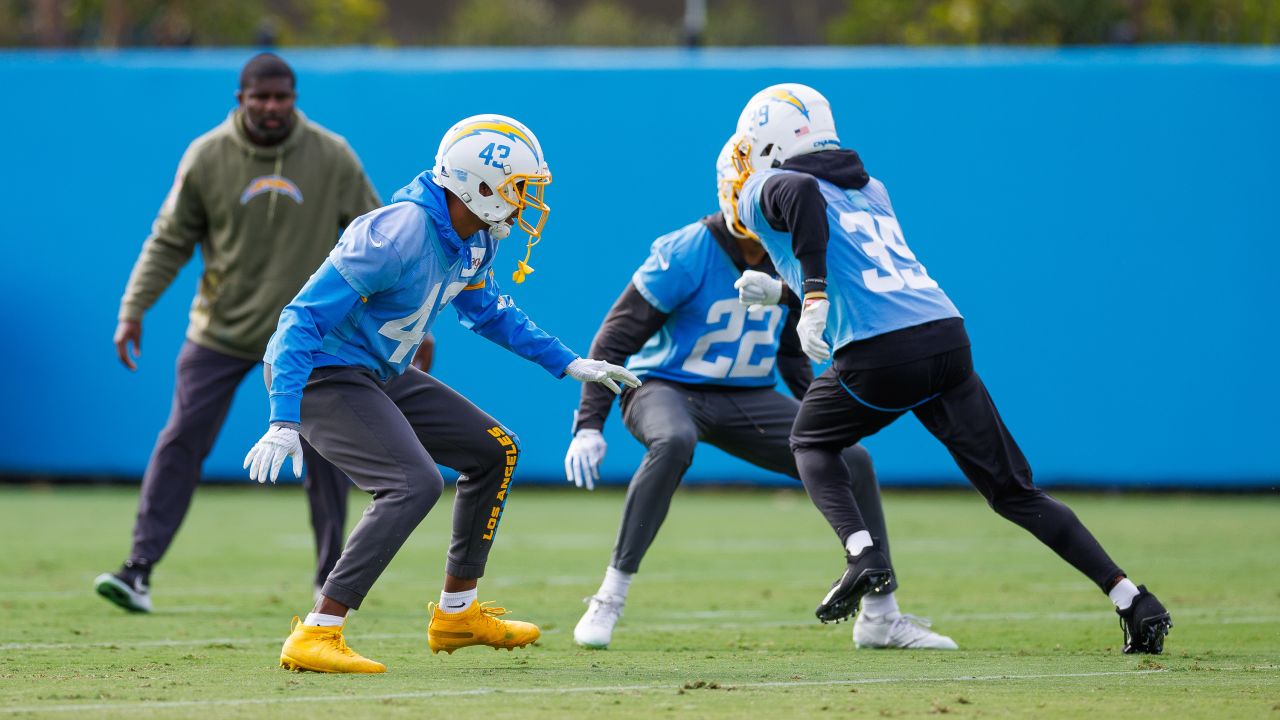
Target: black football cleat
127,588
869,571
1145,624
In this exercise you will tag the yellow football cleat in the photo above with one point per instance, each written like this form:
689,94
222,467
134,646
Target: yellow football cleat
322,649
477,625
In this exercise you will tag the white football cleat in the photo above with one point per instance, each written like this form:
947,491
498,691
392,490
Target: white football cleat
898,630
595,629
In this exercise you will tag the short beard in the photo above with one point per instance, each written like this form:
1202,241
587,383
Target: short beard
272,136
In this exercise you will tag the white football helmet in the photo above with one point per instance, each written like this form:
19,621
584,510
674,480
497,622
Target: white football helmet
495,165
783,121
729,180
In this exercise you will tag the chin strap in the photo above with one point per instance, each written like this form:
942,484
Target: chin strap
500,231
523,268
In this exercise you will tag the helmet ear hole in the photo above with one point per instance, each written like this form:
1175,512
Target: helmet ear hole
485,190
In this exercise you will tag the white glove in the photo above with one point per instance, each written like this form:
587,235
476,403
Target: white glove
584,370
758,289
813,321
582,462
268,455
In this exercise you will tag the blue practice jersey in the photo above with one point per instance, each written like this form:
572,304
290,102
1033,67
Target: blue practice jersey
874,283
374,299
709,337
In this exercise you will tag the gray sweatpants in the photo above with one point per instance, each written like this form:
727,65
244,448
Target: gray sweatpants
388,438
204,388
754,425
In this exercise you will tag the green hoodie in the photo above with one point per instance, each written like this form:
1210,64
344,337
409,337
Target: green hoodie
264,217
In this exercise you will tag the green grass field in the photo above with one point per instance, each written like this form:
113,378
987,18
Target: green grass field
719,622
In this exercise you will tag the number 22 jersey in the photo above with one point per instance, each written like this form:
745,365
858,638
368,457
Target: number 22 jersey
709,338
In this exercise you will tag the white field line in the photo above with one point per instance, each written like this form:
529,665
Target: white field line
743,623
427,694
193,642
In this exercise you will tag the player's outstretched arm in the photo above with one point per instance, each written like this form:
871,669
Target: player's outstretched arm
483,310
494,316
626,328
318,308
598,371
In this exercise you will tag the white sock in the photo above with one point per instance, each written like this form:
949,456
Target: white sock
316,619
616,582
1123,594
879,605
858,542
457,602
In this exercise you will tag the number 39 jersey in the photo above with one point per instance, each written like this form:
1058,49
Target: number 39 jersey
709,338
875,284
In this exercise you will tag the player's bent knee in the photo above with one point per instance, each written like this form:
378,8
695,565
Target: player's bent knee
424,494
422,488
501,451
1013,499
673,445
857,458
800,444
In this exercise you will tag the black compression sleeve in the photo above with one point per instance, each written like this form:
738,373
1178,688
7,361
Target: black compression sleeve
792,202
628,326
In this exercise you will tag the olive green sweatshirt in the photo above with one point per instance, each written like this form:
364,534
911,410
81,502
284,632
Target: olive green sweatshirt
265,218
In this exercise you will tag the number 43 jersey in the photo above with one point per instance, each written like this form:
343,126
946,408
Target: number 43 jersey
875,284
709,338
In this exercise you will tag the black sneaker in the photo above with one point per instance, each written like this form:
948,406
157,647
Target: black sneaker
869,571
127,588
1145,624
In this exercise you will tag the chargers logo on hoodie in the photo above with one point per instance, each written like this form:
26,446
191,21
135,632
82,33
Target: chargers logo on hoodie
271,184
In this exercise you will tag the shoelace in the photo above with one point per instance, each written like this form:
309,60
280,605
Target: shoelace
340,644
488,608
488,611
916,620
910,628
1128,637
601,606
334,638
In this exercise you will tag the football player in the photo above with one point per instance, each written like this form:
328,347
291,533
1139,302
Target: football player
339,376
898,345
710,365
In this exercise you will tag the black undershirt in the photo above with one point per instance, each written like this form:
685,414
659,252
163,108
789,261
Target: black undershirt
793,203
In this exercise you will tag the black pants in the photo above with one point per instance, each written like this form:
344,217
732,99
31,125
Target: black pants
670,419
205,385
949,399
